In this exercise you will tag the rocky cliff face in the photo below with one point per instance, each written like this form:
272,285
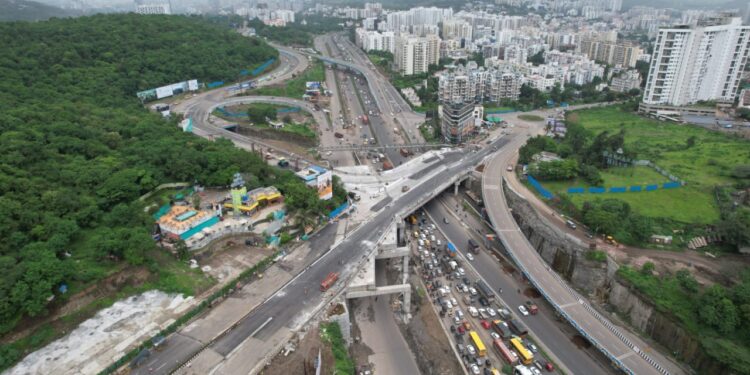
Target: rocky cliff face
563,253
566,255
660,326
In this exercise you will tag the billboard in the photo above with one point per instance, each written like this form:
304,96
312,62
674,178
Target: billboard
168,90
193,85
325,185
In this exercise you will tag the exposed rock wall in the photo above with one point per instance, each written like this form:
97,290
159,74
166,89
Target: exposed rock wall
660,326
566,255
563,253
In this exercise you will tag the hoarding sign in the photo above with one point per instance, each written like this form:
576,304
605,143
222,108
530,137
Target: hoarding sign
325,185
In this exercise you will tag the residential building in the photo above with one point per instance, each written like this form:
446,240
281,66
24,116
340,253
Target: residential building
626,81
478,85
624,54
153,7
457,121
515,54
457,29
375,41
700,62
414,55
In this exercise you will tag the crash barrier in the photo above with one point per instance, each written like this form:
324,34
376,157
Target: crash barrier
624,189
544,192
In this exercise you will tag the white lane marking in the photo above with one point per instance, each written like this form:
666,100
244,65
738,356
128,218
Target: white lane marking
262,326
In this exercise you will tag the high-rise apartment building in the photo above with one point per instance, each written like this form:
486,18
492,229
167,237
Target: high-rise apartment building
457,121
414,55
698,63
624,53
457,29
153,7
478,85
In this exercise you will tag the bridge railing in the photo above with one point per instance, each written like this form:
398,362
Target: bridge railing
591,310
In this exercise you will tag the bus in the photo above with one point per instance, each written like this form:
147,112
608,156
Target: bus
481,350
523,353
504,352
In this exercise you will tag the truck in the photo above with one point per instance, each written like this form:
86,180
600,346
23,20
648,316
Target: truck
532,307
328,281
365,120
473,246
451,249
517,327
485,290
387,165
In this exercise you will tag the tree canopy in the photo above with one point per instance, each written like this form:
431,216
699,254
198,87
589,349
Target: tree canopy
77,148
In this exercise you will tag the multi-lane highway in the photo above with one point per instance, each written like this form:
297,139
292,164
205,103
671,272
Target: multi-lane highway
289,308
620,346
543,325
363,102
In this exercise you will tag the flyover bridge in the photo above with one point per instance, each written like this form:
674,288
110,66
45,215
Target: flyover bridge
626,351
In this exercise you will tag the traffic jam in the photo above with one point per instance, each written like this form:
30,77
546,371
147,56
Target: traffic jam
487,335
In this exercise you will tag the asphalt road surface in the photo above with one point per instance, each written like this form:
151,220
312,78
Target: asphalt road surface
543,325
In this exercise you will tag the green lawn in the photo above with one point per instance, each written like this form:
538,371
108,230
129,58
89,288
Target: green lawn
708,163
295,87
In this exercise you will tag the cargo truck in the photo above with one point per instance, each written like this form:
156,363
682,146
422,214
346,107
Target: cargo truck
328,281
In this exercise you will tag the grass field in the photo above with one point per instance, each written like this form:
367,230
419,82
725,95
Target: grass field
295,87
683,204
490,110
706,164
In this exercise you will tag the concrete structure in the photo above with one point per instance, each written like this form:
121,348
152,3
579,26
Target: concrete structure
456,29
457,121
414,55
744,99
698,63
626,81
375,40
364,284
153,7
473,84
624,54
182,222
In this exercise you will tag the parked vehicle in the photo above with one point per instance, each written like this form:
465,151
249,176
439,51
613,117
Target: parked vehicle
570,224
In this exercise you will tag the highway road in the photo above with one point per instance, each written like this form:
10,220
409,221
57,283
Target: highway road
357,87
298,300
617,343
543,326
395,111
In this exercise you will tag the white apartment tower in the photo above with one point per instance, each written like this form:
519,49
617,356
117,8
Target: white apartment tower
696,63
414,55
153,7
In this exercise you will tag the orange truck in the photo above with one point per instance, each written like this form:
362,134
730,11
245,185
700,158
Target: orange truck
328,281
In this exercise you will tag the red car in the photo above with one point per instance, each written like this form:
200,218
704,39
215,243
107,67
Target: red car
461,329
549,367
485,324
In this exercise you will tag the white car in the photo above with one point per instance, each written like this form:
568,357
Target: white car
454,302
474,292
438,242
459,313
475,370
469,256
465,288
491,312
532,347
523,310
461,271
494,336
470,349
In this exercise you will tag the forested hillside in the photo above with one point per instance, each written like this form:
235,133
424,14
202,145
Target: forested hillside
77,148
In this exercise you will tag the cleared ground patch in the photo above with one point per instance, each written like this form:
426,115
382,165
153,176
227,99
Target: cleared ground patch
295,87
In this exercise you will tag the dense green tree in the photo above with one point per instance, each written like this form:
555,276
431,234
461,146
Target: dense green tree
77,147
